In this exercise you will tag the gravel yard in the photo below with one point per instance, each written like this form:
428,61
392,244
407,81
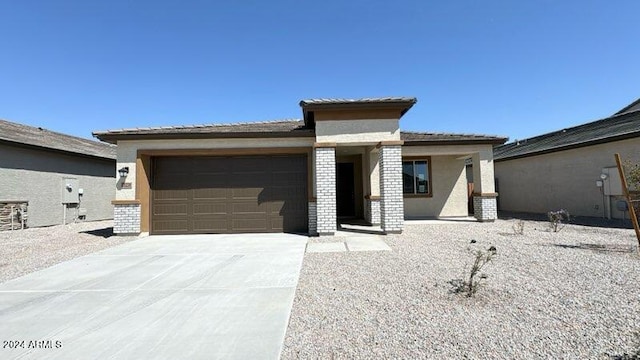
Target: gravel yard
29,250
574,294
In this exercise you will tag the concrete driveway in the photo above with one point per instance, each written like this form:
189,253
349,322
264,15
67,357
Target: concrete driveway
160,297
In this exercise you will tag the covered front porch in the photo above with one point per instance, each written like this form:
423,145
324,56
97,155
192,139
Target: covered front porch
383,184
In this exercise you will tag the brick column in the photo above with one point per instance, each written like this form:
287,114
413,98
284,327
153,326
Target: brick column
372,210
391,201
325,172
313,218
485,207
126,218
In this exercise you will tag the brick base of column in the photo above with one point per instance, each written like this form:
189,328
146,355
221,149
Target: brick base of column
485,208
372,211
313,219
126,219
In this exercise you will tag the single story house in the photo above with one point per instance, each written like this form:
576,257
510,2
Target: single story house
48,178
572,169
344,159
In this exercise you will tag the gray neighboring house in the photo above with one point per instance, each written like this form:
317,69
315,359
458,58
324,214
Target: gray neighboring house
345,160
572,169
61,177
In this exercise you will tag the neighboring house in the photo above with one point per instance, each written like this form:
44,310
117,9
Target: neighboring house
572,169
347,159
61,177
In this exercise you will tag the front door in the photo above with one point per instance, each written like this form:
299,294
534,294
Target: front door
346,192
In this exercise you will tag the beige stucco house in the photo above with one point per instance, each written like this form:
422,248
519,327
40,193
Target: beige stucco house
48,178
345,159
572,169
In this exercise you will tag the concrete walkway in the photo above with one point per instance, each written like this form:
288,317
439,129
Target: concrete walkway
350,238
161,297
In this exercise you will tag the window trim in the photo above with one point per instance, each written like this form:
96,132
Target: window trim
414,159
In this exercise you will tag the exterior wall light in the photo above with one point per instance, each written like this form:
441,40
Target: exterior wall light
124,172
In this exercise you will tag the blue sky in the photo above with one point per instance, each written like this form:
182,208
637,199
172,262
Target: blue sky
513,68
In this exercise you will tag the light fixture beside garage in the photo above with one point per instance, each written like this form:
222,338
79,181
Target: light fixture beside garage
124,172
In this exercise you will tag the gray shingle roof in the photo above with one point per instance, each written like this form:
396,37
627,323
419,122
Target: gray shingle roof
39,137
412,138
631,107
279,128
380,100
617,127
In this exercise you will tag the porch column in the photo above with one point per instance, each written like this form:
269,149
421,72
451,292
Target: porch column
325,176
391,202
484,196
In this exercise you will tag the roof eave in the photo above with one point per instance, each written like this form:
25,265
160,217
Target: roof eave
59,151
357,105
570,146
113,138
404,105
497,141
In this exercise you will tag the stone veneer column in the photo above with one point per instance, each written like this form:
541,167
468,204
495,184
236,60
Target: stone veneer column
313,218
372,210
485,207
126,218
391,201
325,172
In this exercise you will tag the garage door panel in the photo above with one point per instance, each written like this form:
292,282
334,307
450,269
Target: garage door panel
210,225
287,177
276,206
248,180
241,164
216,208
171,209
171,195
169,226
210,194
246,193
248,207
243,224
229,194
277,224
204,180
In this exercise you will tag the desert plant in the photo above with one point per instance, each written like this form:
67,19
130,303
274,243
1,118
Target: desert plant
470,284
558,219
632,173
518,227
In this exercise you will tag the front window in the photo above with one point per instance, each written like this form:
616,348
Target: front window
416,177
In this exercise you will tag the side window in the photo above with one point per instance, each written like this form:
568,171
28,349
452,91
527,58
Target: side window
408,185
416,177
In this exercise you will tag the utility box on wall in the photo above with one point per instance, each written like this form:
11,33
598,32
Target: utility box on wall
612,183
70,193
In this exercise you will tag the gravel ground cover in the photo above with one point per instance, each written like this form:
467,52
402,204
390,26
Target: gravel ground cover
29,250
574,294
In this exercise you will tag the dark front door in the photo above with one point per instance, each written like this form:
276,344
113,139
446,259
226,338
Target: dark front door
239,194
346,192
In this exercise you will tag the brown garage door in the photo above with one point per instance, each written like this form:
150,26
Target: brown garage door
204,194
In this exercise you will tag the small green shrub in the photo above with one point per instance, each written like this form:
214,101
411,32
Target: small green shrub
558,219
469,286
